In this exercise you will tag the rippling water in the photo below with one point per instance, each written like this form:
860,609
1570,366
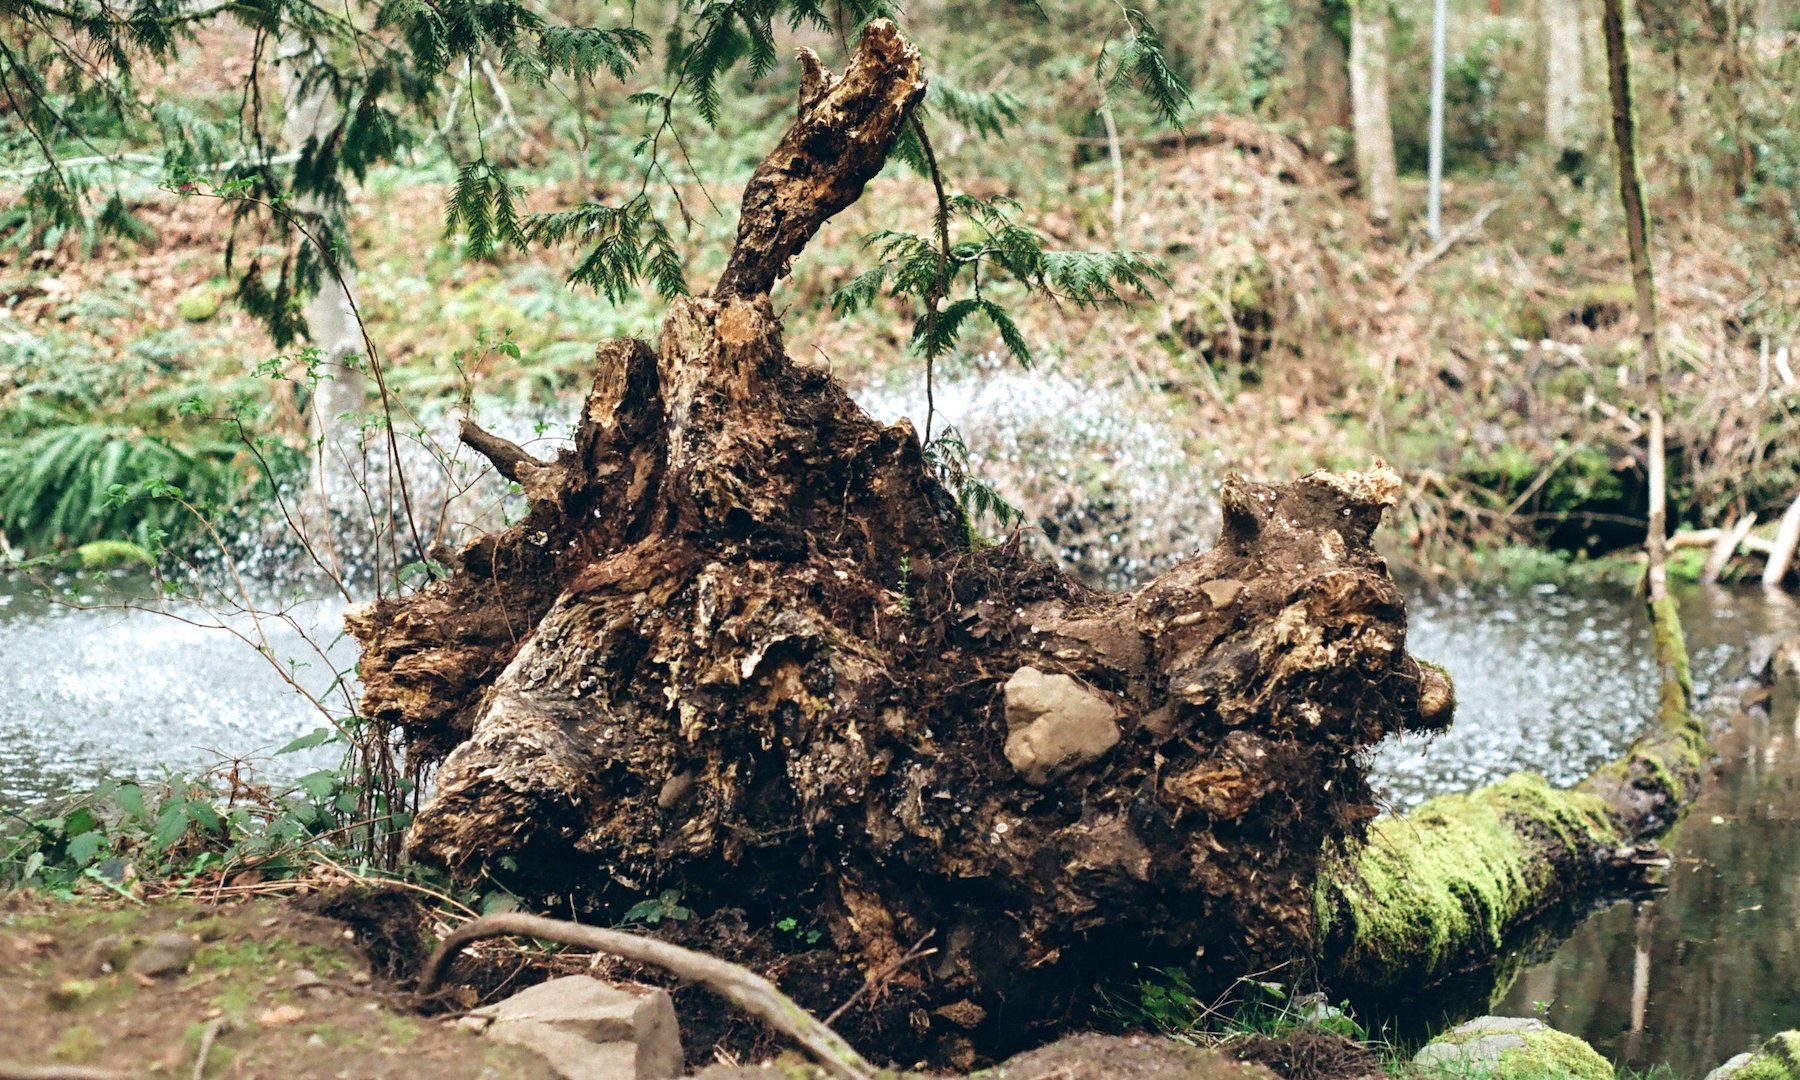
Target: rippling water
1548,681
92,692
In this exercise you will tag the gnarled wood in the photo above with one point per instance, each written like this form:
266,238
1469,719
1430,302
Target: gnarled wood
743,647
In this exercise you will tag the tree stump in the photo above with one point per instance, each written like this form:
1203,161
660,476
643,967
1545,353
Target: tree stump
743,646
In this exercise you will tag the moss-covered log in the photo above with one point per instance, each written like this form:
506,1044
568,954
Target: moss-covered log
742,648
1441,890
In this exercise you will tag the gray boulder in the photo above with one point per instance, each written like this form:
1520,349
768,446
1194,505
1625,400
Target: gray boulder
589,1030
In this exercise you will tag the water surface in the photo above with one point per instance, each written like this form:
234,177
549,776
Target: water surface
1551,681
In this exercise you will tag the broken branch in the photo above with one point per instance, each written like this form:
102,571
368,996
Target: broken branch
751,992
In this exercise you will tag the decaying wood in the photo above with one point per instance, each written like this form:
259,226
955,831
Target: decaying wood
1781,552
744,988
742,647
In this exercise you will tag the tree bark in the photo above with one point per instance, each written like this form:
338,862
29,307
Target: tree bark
339,461
1374,129
743,647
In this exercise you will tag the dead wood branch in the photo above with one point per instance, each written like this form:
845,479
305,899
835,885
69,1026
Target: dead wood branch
742,987
509,458
836,144
1442,247
10,1071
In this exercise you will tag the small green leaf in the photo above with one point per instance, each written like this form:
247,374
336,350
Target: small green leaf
317,737
83,848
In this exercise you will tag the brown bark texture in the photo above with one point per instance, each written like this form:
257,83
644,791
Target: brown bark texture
743,647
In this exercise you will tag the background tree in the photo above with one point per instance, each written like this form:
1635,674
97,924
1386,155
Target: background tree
1375,166
1564,76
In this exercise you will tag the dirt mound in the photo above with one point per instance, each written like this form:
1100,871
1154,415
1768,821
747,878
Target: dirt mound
1310,1055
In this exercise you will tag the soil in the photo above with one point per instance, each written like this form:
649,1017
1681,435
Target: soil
1309,1055
1078,1057
288,992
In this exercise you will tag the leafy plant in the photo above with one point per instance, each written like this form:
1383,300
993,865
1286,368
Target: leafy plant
651,912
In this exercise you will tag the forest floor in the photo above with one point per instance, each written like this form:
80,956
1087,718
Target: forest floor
270,987
1494,369
269,990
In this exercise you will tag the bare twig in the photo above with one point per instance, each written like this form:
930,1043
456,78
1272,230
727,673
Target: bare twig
917,952
744,988
1787,538
1726,546
1442,247
207,1036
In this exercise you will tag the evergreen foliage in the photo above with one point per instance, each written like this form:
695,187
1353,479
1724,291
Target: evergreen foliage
384,71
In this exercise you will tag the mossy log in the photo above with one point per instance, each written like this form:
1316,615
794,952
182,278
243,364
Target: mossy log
742,647
1441,891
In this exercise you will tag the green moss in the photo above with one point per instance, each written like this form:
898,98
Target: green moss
1450,880
200,303
78,1043
256,957
1777,1059
1548,1054
108,554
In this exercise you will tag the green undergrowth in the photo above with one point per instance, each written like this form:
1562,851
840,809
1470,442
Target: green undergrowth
1447,882
1165,1000
124,836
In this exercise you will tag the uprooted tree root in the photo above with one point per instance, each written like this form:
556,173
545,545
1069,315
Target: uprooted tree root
742,647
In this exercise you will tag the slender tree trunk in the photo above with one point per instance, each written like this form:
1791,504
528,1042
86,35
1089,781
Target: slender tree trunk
1374,128
1637,239
1563,76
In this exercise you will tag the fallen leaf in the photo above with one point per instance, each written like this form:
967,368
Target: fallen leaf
281,1014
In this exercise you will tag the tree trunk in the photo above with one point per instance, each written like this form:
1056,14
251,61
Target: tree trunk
1563,77
1374,130
742,647
340,464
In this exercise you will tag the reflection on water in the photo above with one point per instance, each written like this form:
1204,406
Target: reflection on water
1706,969
87,694
1559,683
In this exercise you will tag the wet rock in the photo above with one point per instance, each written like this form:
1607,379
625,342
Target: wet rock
1732,1066
1511,1048
1777,1059
165,955
1055,725
589,1030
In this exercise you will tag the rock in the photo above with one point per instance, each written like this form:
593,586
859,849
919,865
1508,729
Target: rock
1777,1059
108,954
1732,1066
1511,1048
166,954
1055,725
590,1030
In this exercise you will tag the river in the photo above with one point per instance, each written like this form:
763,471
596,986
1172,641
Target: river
1549,680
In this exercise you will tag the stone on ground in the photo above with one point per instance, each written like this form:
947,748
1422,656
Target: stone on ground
166,954
1512,1048
589,1030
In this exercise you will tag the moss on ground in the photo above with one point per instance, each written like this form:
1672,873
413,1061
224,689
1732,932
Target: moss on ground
1547,1054
1443,886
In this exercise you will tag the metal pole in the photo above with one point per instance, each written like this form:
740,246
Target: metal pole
1434,197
